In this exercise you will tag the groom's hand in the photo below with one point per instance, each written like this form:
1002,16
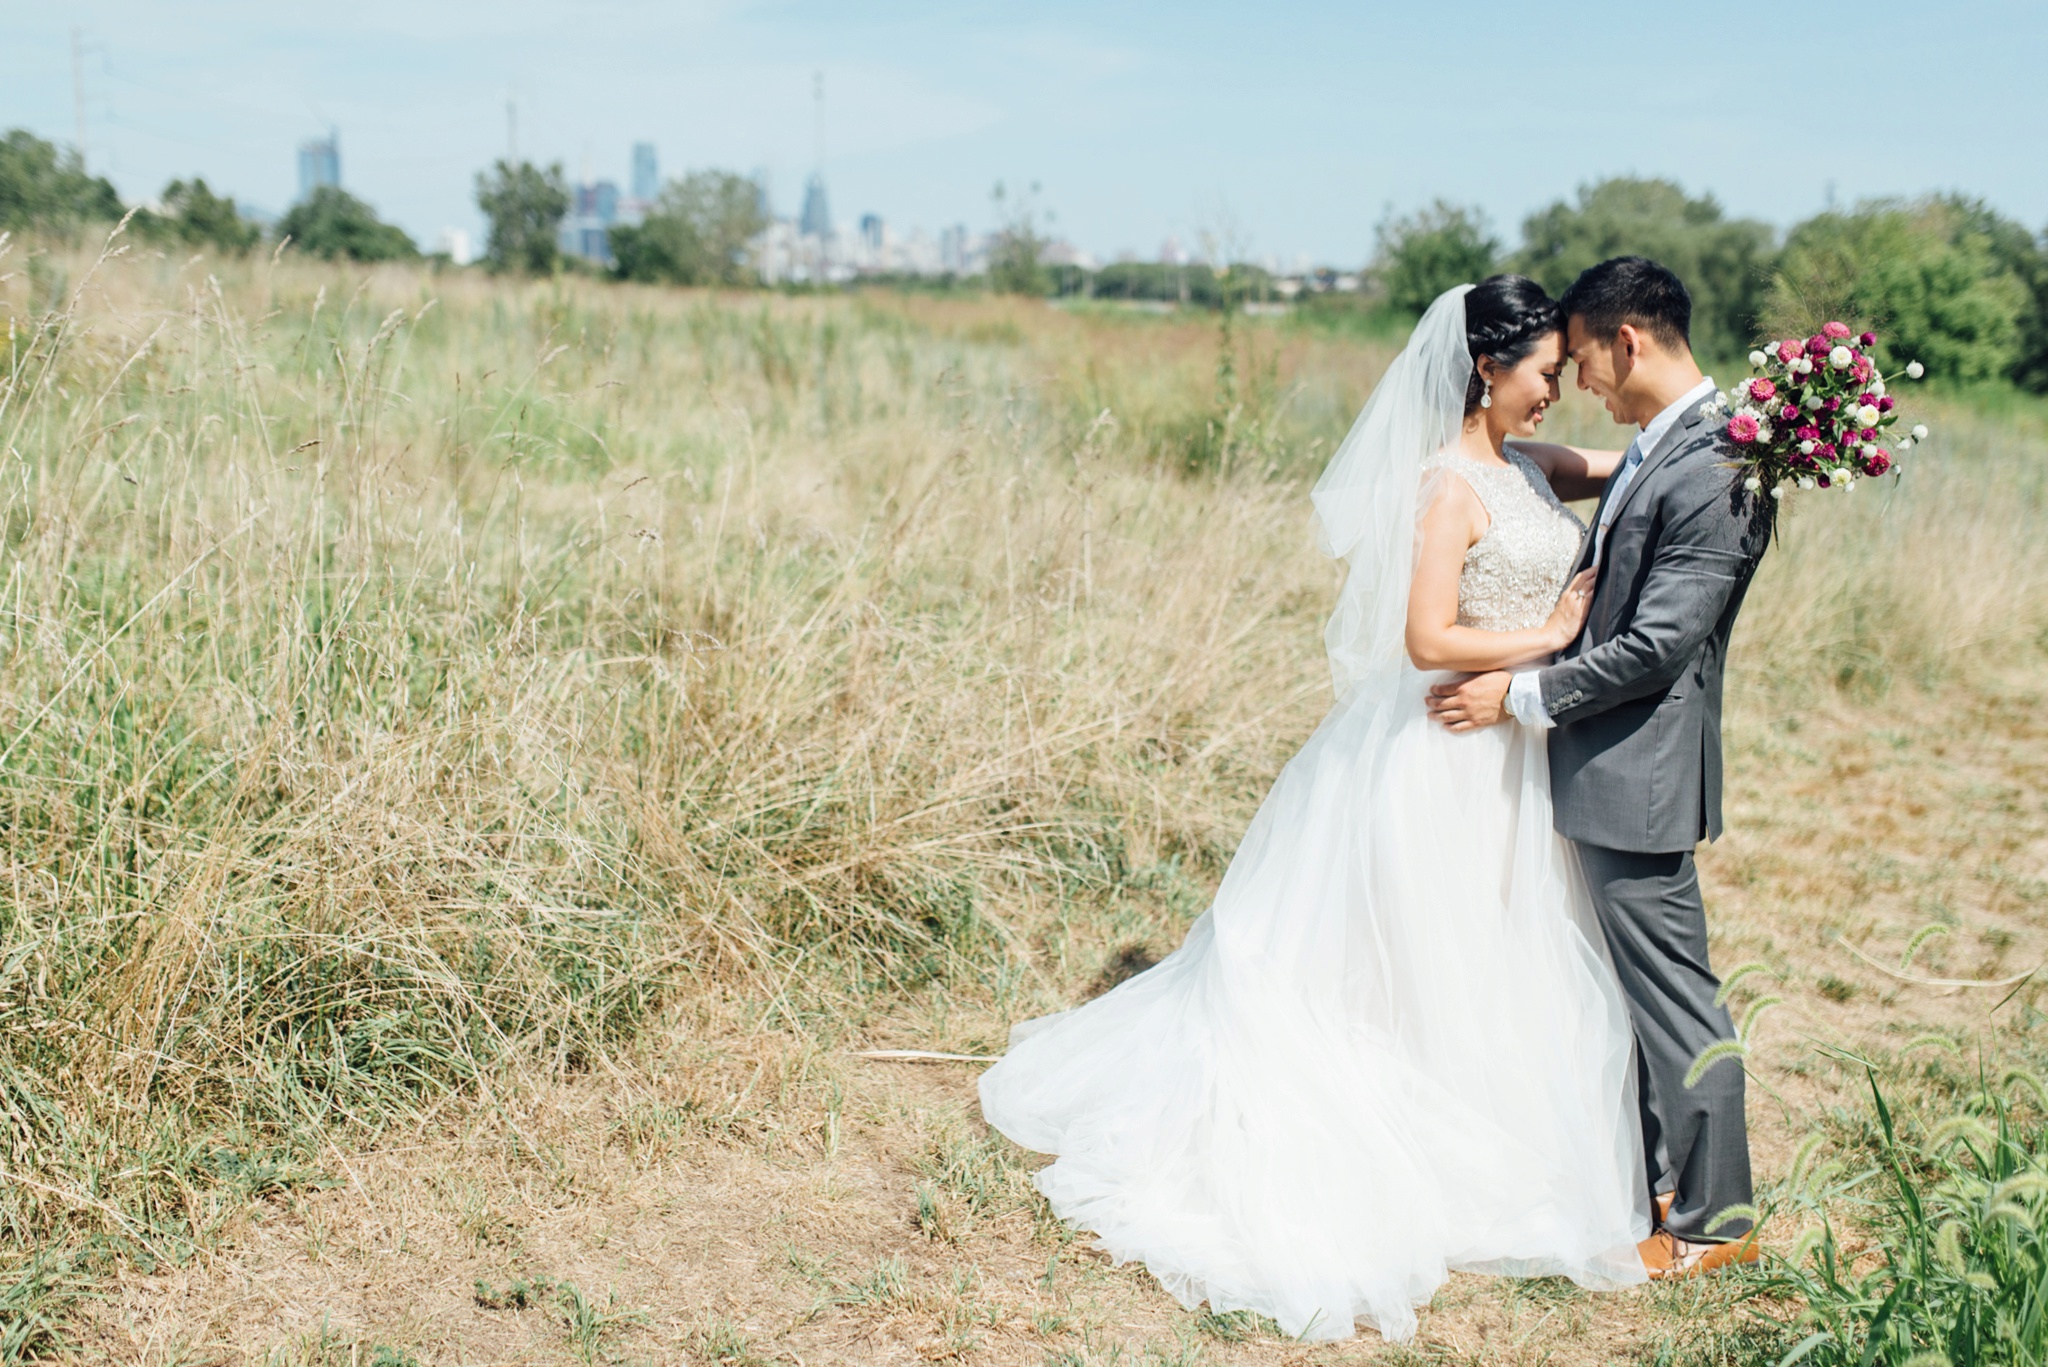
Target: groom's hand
1472,702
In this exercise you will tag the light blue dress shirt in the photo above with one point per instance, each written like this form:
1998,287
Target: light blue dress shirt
1525,693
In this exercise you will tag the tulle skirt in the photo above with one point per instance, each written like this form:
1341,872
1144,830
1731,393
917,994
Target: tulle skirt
1393,1047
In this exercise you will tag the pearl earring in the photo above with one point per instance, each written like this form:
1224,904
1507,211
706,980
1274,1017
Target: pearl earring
1486,399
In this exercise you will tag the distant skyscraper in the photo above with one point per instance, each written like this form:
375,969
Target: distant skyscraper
646,173
872,232
816,219
319,163
586,231
598,200
454,244
953,248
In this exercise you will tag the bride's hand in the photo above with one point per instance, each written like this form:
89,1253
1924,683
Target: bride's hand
1569,615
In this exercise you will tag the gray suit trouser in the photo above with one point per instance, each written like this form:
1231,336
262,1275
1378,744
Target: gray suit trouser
1694,1139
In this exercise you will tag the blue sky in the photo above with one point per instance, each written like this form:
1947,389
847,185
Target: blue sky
1290,127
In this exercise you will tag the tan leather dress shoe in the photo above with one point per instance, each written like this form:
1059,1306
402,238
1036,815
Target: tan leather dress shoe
1665,1255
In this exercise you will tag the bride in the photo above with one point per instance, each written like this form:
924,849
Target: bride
1394,1045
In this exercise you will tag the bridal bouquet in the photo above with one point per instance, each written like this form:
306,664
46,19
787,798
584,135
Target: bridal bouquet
1815,412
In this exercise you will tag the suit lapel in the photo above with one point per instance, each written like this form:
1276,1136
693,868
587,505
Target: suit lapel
1674,439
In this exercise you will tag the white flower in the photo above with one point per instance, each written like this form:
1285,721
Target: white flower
1778,491
1905,444
1877,385
1805,365
1757,359
1868,415
1764,430
1805,448
1919,432
1752,484
1813,402
1840,358
1915,369
1806,481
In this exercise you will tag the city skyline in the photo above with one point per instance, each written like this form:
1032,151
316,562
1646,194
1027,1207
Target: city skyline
1292,135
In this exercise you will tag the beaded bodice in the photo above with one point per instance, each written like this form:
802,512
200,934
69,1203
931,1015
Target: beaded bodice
1514,572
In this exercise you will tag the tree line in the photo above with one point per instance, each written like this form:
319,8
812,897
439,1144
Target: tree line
696,233
1952,281
1949,279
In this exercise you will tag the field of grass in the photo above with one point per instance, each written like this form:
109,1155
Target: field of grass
477,758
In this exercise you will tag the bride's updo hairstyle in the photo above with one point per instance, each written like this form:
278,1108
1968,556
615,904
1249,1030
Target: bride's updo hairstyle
1505,317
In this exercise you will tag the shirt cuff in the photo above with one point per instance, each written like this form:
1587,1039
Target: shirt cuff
1525,700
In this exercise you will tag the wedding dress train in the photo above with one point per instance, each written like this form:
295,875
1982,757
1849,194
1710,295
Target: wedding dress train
1392,1047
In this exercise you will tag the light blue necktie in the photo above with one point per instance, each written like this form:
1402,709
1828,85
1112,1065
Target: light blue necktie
1629,464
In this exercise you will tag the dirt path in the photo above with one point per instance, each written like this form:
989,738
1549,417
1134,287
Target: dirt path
745,1200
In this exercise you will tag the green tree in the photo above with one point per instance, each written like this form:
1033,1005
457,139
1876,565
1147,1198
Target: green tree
1725,263
525,206
47,189
1419,257
194,216
331,222
1016,259
698,233
1940,278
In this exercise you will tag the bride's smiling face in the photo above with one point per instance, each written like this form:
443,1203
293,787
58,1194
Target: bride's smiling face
1523,391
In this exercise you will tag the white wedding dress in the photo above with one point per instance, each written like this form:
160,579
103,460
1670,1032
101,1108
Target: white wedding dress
1394,1045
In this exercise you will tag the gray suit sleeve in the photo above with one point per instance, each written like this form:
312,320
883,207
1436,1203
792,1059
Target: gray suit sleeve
1713,535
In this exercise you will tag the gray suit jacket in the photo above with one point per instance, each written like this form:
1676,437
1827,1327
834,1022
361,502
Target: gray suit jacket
1635,761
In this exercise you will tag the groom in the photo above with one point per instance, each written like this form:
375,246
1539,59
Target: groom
1636,758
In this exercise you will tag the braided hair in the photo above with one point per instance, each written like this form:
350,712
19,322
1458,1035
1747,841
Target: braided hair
1505,317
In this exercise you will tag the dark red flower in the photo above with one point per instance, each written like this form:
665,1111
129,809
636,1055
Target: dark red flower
1877,464
1868,339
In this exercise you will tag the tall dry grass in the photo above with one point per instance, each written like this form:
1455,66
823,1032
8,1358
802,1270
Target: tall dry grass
410,683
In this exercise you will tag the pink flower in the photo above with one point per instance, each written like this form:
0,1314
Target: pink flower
1862,370
1877,464
1807,434
1885,405
1788,351
1742,429
1818,345
1824,451
1836,330
1762,390
1868,339
1789,414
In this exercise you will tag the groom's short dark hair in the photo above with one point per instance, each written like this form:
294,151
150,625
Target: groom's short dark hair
1633,290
